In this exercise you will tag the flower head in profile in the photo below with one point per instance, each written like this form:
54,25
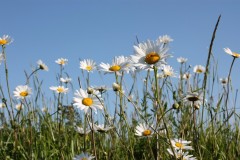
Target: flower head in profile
234,54
194,98
83,156
66,80
143,130
42,66
165,39
186,76
22,92
181,144
59,89
81,131
5,40
168,71
62,61
182,60
119,64
199,69
100,128
150,54
88,65
180,155
84,101
223,81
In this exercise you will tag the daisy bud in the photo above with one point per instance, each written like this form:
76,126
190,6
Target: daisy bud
175,105
116,87
90,90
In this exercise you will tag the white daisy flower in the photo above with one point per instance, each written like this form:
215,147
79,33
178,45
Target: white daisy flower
59,89
143,130
42,66
181,144
199,69
182,60
186,76
180,154
149,54
65,80
5,40
119,64
101,89
84,101
88,65
234,54
165,39
168,71
101,128
223,81
19,106
62,61
80,130
22,92
83,156
116,87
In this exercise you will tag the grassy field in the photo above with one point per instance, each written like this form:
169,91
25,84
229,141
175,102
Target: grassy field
159,113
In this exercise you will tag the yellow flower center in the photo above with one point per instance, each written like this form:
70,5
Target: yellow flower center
152,58
146,132
62,62
24,93
60,90
3,41
115,68
87,101
199,70
84,158
89,68
179,145
236,55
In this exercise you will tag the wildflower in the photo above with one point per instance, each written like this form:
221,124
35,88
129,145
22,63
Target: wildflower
42,66
168,71
88,65
5,40
182,60
19,106
119,64
101,128
180,154
116,87
83,156
165,39
22,92
66,80
181,144
149,54
2,105
81,130
234,54
143,130
223,81
194,98
199,69
59,89
62,61
101,89
85,101
186,76
44,109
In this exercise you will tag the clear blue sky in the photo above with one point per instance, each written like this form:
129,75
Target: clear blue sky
100,30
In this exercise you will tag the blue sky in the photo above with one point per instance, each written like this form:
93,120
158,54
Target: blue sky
100,30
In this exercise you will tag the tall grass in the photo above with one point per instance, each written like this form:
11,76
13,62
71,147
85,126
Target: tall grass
165,107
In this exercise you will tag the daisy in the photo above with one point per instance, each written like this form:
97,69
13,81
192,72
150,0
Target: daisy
116,87
234,54
101,128
143,130
149,54
194,98
2,105
66,80
22,92
45,109
84,101
59,89
101,89
81,131
224,81
180,154
182,60
83,156
181,144
165,39
5,39
42,66
199,69
88,65
19,106
168,71
119,64
186,76
62,61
